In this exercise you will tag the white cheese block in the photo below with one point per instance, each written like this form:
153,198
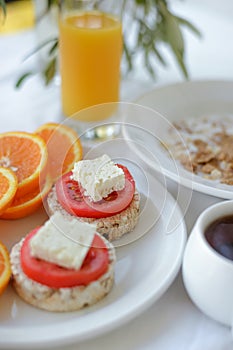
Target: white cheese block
99,177
63,242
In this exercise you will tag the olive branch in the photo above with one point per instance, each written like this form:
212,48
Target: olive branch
153,23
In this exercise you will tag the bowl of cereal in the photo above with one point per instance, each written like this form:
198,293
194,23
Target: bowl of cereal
188,134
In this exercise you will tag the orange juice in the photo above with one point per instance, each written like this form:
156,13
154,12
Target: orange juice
90,55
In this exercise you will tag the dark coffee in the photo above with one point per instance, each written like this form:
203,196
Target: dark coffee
220,236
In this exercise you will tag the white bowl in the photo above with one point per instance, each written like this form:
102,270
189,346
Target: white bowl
207,275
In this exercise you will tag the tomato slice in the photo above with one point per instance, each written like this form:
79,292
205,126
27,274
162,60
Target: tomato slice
70,196
54,276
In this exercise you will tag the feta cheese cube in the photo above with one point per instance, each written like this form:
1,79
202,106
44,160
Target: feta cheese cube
99,177
63,242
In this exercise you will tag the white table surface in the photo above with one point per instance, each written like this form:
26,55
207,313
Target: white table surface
173,322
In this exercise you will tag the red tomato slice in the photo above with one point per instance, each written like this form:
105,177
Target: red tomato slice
54,276
72,200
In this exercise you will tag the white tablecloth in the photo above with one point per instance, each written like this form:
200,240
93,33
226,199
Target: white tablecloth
173,322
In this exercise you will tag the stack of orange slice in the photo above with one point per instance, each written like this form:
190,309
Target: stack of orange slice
64,148
30,163
8,187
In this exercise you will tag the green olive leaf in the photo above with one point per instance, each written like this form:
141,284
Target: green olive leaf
154,23
150,68
159,56
181,63
173,34
50,71
174,38
51,3
22,79
189,25
53,48
3,7
39,47
128,56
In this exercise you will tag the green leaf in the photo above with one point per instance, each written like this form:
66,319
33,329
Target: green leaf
150,68
3,7
181,63
23,78
128,56
159,56
140,2
189,25
50,71
174,38
154,23
39,47
53,48
148,64
50,3
173,34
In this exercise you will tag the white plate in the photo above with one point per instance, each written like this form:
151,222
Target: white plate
176,102
144,270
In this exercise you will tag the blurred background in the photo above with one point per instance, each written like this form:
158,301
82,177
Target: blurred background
208,57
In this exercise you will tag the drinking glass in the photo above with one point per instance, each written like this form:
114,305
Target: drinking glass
90,42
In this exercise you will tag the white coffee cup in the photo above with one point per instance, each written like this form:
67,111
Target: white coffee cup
208,275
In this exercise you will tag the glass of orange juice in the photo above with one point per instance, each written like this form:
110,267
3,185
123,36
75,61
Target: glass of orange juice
90,45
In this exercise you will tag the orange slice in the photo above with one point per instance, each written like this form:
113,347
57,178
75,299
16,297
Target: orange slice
26,155
29,203
64,148
8,188
5,269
